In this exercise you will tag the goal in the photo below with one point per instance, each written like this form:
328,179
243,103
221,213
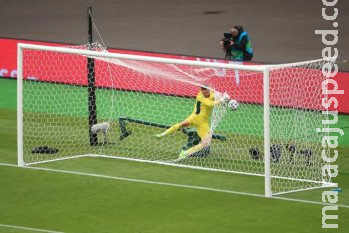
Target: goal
85,101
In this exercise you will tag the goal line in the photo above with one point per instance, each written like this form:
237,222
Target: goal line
172,185
170,163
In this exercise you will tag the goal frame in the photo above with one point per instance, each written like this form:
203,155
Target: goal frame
263,69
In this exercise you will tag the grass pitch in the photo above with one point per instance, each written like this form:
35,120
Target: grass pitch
84,203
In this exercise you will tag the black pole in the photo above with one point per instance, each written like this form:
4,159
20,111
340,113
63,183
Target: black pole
92,108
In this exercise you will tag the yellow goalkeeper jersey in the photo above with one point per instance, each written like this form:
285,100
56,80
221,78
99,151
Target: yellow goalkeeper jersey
203,107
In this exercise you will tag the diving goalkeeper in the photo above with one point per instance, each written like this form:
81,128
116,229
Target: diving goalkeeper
199,119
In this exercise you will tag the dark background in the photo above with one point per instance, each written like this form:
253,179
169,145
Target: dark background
281,30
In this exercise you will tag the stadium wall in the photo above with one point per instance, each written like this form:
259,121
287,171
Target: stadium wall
240,83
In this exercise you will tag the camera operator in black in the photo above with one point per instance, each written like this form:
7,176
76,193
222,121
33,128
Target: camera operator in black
237,45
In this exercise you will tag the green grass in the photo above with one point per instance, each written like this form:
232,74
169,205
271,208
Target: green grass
72,203
84,204
60,121
70,101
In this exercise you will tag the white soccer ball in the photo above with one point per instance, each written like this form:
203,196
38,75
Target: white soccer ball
233,104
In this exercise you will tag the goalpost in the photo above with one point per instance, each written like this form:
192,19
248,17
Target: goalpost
272,133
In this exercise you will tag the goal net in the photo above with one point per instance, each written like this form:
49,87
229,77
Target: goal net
76,102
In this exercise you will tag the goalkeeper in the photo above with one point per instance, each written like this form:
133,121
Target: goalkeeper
199,119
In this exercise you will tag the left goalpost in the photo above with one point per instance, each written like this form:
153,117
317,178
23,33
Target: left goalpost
271,134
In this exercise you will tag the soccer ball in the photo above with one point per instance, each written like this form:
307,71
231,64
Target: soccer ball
233,104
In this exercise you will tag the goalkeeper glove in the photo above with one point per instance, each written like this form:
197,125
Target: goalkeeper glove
225,98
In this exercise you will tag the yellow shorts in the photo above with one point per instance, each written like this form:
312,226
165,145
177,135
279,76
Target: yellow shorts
202,127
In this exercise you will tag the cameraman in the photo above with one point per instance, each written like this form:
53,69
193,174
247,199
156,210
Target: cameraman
237,45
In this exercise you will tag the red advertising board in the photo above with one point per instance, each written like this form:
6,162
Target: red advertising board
243,86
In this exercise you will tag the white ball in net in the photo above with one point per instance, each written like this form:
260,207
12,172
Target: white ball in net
233,104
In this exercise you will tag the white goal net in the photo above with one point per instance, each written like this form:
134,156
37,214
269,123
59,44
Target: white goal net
88,102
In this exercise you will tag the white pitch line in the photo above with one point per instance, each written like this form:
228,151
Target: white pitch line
175,185
29,228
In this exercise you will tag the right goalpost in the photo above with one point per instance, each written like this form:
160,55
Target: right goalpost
273,133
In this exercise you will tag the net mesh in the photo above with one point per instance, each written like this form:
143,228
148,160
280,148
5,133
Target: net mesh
140,99
296,114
